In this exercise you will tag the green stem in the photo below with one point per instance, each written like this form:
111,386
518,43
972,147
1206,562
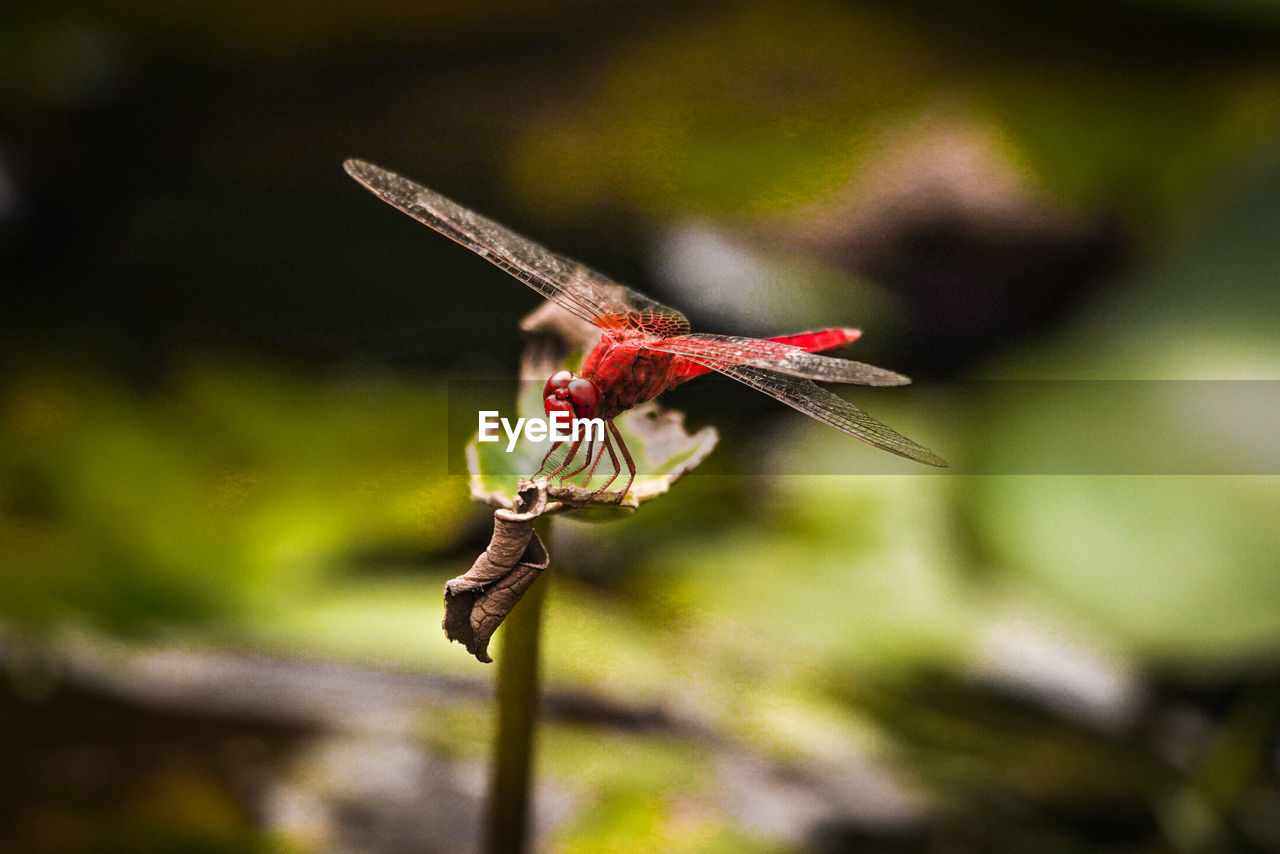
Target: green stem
507,822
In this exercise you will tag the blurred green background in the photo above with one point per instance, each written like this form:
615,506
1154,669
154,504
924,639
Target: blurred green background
225,518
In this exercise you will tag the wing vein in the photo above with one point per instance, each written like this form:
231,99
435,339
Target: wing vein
823,406
715,351
590,295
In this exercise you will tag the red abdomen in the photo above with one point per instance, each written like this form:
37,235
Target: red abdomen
814,342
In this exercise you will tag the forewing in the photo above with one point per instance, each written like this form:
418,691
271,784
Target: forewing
590,295
719,351
821,405
646,324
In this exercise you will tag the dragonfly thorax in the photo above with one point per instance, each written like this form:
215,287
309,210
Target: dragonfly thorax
567,392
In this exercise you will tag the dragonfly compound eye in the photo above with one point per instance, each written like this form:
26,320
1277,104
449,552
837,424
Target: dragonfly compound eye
553,404
557,382
585,397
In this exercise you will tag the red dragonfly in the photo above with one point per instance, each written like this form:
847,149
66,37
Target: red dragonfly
646,348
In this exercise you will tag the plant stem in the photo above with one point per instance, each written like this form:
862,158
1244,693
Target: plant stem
507,822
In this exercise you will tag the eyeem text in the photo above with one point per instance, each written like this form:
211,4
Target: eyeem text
560,427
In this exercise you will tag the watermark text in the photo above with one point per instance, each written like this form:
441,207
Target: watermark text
560,427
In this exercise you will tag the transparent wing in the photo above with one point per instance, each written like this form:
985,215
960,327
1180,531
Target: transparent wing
821,405
582,291
718,351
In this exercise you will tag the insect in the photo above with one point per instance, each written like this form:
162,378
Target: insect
646,348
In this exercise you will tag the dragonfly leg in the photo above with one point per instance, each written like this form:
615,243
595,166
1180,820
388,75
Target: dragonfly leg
547,457
626,455
589,455
596,461
568,458
613,459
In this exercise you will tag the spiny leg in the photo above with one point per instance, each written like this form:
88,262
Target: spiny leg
590,453
599,456
604,446
613,460
568,458
626,455
547,457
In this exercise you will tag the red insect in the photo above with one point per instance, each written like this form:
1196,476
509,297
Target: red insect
646,348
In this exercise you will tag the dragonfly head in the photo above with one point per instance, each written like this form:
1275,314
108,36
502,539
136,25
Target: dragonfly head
565,392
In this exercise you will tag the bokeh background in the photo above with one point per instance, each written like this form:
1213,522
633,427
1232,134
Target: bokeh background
225,513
